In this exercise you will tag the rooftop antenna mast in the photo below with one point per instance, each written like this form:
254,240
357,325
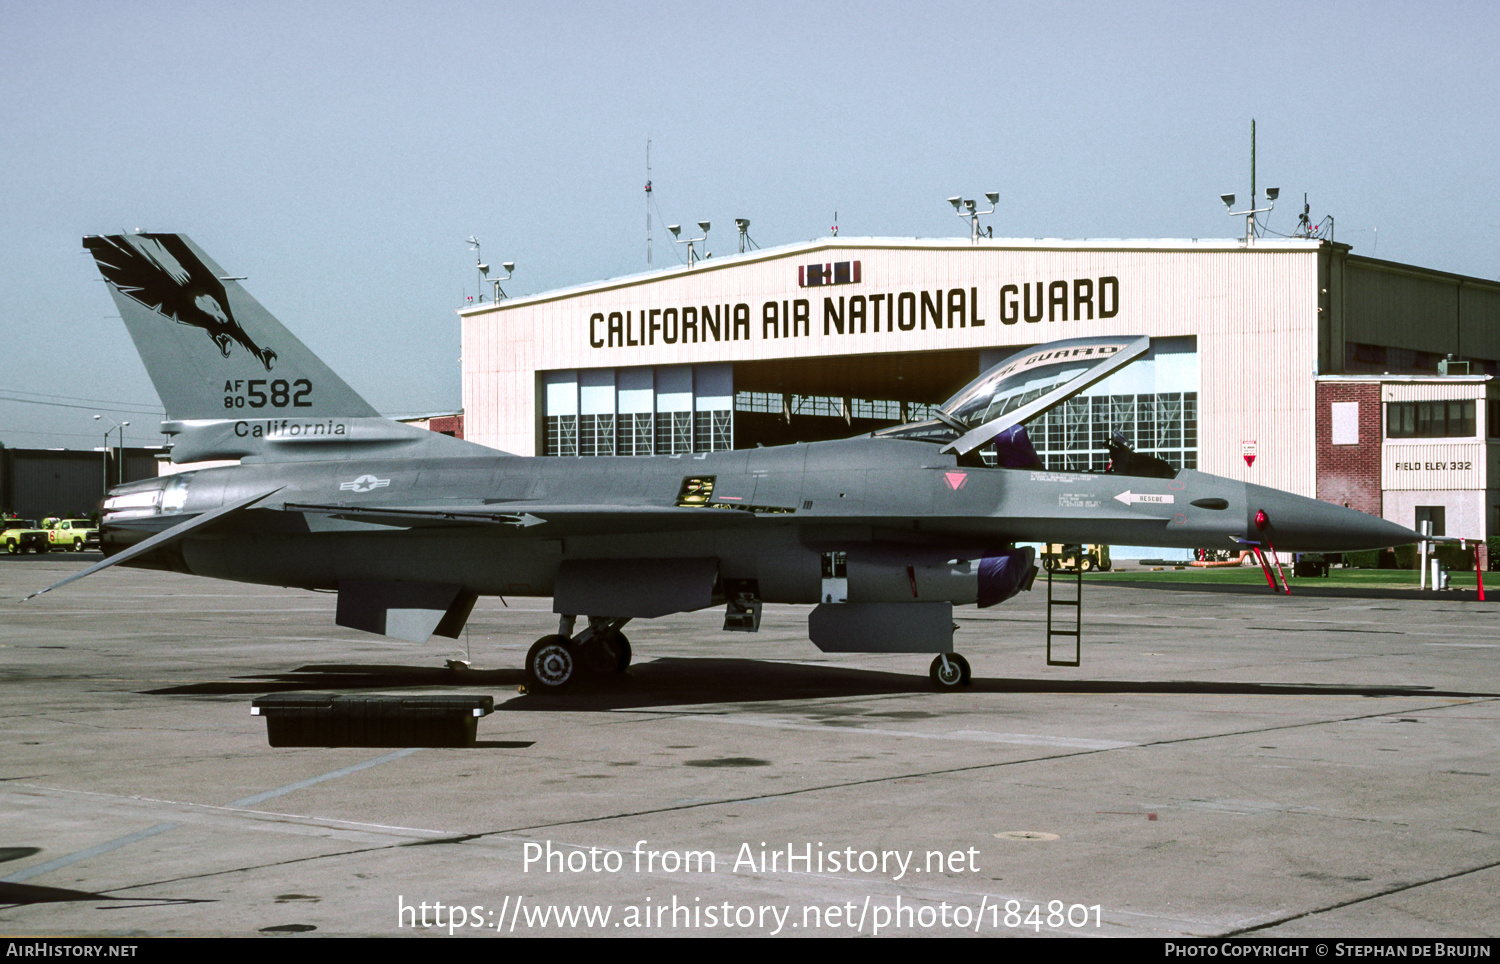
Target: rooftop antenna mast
648,203
1272,193
480,266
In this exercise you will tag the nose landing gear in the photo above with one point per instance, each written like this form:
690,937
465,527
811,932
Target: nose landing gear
949,671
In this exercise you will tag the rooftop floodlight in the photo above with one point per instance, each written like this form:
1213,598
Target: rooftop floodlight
1272,193
693,255
510,269
483,268
742,224
966,208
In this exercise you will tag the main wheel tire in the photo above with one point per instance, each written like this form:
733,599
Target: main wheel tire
13,548
551,664
951,677
607,653
1086,564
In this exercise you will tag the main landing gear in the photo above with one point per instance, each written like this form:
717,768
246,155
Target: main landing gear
556,662
949,671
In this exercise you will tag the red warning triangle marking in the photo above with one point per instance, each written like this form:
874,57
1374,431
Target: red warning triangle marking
956,480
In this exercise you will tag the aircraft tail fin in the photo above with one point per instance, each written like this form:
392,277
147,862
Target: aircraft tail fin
210,348
235,383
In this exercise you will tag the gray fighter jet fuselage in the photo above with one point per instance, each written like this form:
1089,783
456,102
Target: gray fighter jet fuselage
886,532
768,515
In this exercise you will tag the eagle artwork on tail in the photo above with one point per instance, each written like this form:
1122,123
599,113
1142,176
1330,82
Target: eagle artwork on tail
159,272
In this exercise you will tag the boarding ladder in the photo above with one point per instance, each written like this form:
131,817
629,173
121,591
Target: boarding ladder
1075,605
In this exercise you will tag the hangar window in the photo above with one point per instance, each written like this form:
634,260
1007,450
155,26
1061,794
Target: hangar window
1075,436
562,434
660,410
828,406
1452,418
674,433
596,435
636,434
713,431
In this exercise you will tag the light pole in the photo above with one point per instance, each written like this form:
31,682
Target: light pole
966,208
121,463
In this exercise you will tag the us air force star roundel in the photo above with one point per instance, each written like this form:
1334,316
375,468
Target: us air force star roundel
365,483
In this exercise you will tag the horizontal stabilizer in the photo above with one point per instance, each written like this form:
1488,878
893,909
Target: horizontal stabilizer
163,538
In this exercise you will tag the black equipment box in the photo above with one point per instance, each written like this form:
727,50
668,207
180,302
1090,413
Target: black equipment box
326,719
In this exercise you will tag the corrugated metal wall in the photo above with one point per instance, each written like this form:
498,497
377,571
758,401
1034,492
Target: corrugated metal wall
42,482
1253,310
1429,311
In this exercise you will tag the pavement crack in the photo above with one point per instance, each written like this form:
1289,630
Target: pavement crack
1386,892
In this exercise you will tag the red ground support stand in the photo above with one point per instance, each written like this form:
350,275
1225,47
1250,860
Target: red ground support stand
1284,587
1265,568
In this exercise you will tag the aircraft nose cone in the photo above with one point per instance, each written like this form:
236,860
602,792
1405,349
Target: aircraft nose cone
1294,523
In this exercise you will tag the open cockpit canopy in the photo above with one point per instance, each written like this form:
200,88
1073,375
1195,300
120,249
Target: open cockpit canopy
993,408
1022,387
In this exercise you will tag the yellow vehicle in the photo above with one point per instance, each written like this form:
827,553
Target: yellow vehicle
74,534
1090,558
22,535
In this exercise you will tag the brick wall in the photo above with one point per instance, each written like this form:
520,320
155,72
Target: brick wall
1349,474
448,425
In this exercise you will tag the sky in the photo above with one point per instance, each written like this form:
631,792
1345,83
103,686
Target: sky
339,154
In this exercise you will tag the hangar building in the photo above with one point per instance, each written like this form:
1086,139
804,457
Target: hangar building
1290,363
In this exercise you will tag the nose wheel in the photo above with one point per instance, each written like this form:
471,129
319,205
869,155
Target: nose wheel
949,671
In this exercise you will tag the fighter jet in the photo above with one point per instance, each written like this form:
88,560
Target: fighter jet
885,532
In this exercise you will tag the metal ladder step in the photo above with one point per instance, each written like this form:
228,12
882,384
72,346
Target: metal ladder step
1077,612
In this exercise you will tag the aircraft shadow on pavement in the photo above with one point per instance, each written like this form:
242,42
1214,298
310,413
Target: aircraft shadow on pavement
677,681
13,893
